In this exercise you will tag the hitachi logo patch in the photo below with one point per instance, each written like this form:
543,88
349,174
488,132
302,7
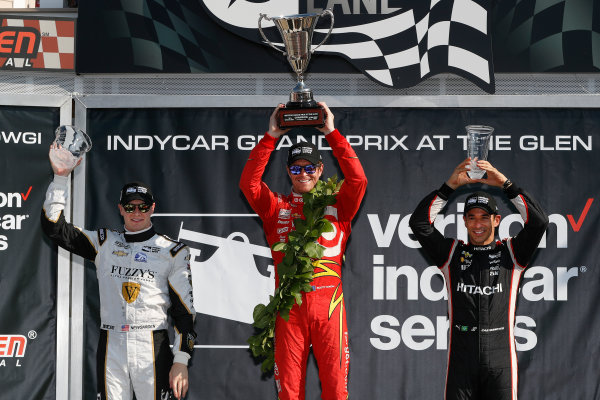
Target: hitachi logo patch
474,289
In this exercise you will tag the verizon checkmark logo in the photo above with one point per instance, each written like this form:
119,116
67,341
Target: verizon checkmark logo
577,225
26,195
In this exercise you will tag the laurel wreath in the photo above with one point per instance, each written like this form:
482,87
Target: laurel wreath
295,270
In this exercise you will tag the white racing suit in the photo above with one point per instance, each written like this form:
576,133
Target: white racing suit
141,276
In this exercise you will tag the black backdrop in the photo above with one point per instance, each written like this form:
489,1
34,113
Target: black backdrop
28,266
396,309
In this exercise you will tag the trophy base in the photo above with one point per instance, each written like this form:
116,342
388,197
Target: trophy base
308,114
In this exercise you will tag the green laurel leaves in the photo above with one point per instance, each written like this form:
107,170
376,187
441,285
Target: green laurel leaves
296,269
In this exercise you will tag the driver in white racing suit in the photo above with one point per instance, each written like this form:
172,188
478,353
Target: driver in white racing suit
141,276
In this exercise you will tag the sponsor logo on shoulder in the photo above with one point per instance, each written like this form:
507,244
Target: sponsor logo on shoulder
150,249
176,249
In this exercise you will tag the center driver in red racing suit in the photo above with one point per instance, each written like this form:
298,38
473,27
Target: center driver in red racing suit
321,319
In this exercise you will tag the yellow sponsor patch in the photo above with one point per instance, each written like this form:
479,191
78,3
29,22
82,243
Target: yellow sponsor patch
130,291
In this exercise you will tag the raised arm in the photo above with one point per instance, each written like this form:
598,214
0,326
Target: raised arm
524,244
421,222
261,198
355,181
54,225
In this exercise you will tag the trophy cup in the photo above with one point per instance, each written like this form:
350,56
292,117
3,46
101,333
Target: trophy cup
296,32
478,138
71,144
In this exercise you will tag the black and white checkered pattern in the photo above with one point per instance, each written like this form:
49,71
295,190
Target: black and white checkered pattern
438,36
162,35
425,38
543,36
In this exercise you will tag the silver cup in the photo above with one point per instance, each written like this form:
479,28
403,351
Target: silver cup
297,32
478,139
71,144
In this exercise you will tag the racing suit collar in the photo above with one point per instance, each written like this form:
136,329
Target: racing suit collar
139,236
296,198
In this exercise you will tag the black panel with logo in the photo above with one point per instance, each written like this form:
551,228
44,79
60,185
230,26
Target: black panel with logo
395,299
28,268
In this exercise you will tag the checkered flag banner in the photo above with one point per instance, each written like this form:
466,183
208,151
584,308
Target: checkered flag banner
400,49
159,35
436,37
547,36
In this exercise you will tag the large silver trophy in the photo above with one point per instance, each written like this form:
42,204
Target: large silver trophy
297,32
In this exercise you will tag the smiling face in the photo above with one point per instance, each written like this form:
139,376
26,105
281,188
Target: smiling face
303,182
136,220
481,226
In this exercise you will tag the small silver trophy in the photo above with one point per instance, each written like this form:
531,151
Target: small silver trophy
297,32
71,144
478,138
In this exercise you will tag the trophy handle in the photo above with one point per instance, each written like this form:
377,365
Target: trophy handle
330,13
263,34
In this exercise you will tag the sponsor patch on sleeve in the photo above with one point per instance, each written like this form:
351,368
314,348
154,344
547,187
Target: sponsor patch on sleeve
101,236
176,249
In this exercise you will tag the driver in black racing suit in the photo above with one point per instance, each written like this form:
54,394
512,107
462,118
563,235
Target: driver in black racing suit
482,278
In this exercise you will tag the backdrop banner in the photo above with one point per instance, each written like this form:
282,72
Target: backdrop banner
27,259
396,43
396,301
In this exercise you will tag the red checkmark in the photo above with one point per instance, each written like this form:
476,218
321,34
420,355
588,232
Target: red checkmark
25,196
577,225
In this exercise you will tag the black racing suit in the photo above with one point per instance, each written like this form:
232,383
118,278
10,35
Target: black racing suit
482,284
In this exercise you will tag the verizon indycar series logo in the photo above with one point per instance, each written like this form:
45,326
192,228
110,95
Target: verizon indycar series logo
10,222
396,43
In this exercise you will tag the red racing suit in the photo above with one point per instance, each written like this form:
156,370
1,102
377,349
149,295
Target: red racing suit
321,319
